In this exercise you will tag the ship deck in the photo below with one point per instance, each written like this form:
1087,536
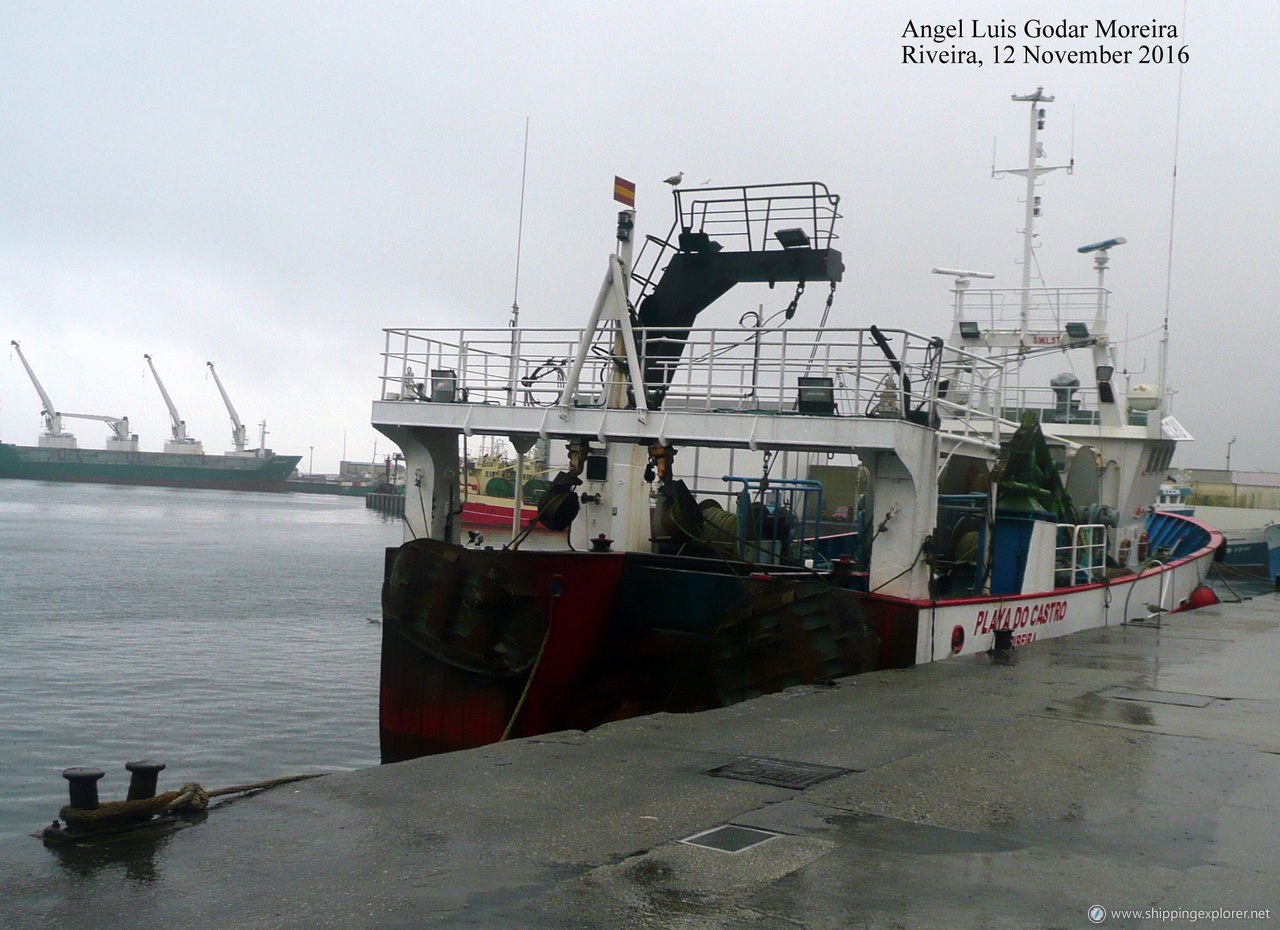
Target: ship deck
1127,767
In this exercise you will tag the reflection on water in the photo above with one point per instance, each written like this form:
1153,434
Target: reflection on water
1096,708
135,856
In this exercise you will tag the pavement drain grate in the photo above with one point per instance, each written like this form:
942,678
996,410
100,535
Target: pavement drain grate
1158,697
729,838
776,772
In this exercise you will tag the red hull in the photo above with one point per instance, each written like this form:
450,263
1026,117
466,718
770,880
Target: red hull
478,514
481,644
444,686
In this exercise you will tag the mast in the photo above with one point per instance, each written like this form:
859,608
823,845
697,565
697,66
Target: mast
237,428
180,441
522,444
1035,152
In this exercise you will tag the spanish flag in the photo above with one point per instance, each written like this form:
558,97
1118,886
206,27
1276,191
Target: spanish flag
624,191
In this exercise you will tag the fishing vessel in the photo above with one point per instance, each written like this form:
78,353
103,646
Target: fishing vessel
183,463
333,485
980,513
488,489
1250,541
1250,536
1254,551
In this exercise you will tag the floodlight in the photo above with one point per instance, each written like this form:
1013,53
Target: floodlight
793,238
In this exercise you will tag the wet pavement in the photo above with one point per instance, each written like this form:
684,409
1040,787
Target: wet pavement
1135,768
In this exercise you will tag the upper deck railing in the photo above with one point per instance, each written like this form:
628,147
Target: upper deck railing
742,219
1048,308
748,217
1056,318
743,370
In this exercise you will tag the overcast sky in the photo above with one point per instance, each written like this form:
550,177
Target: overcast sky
268,185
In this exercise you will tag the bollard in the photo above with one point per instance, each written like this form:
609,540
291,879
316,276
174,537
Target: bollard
82,784
1002,651
142,781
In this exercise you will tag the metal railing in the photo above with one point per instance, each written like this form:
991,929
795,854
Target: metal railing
747,216
1047,307
780,371
1081,554
741,218
777,518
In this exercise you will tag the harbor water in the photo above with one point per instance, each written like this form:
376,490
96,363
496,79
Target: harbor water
232,635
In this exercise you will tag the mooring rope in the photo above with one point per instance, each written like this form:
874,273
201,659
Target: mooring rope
190,798
533,670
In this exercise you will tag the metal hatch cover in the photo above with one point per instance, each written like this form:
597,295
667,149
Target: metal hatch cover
777,772
729,838
1149,696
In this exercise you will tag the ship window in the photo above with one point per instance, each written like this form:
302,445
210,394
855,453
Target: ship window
1158,458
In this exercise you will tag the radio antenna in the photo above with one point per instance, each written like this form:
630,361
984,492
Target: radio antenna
1173,203
515,297
524,168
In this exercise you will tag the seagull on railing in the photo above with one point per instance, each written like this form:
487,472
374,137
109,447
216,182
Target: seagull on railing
675,179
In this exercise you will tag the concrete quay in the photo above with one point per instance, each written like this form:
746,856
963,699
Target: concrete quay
1132,768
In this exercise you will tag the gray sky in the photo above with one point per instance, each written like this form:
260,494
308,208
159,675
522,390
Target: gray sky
268,185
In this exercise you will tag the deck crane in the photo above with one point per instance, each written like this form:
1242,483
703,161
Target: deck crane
180,442
55,438
237,428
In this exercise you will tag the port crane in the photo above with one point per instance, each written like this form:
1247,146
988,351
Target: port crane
237,428
180,442
54,437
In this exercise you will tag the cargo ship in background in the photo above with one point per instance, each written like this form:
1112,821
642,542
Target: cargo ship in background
182,464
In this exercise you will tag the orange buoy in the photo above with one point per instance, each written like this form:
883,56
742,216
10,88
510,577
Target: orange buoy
1201,596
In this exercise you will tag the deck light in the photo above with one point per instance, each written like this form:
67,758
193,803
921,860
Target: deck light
1077,330
969,330
1106,394
444,386
794,238
817,396
597,467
